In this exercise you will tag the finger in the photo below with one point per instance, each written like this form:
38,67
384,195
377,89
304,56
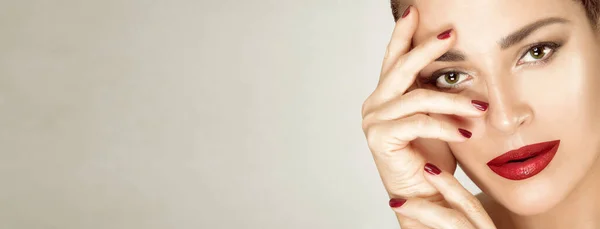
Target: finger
429,101
430,214
401,38
396,134
408,223
402,75
427,52
458,197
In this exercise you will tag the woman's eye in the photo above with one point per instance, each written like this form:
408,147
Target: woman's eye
537,53
450,80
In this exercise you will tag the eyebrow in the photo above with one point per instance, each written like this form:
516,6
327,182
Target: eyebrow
508,41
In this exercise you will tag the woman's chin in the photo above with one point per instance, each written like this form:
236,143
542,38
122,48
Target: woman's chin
530,198
529,202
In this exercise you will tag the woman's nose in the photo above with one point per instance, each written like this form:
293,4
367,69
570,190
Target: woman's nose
507,110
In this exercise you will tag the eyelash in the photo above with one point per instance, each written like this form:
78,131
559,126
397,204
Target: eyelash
554,47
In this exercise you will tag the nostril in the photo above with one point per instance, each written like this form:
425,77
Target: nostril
524,119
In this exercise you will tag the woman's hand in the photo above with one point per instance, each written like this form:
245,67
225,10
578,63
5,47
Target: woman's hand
466,212
395,118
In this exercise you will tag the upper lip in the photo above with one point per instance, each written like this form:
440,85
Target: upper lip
524,152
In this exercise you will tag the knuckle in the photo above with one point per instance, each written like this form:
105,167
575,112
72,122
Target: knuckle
365,126
369,121
420,122
374,135
366,106
423,121
363,110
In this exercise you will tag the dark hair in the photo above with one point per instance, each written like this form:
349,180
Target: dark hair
592,8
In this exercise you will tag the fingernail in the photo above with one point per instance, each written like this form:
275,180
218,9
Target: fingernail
465,133
396,203
480,105
444,35
406,11
432,169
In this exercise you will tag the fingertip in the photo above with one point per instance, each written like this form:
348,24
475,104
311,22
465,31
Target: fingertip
480,105
432,169
465,133
460,134
409,14
445,35
406,11
396,202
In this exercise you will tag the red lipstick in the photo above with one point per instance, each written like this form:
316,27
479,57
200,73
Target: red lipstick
524,162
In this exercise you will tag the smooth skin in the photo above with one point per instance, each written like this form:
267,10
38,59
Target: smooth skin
394,116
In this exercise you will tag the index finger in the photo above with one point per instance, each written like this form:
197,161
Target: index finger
401,39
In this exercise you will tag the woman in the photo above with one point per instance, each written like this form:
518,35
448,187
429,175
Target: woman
509,89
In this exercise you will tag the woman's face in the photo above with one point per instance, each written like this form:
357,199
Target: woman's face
541,85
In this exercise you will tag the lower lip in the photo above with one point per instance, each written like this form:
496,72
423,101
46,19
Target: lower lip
525,169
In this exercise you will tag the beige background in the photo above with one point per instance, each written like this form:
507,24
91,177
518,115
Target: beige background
189,114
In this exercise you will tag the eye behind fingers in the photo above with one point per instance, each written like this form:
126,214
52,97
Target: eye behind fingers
451,79
448,80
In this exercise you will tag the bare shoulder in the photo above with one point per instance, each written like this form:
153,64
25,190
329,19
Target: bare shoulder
497,212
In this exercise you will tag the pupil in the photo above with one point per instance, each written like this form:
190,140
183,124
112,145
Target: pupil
451,78
537,52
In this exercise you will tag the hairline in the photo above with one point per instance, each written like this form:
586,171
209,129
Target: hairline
591,7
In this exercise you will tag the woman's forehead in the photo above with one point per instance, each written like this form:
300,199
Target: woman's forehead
484,22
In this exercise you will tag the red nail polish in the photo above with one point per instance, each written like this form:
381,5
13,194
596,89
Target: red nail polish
480,105
396,203
444,35
432,169
465,133
406,11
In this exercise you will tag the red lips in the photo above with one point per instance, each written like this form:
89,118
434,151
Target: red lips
524,162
